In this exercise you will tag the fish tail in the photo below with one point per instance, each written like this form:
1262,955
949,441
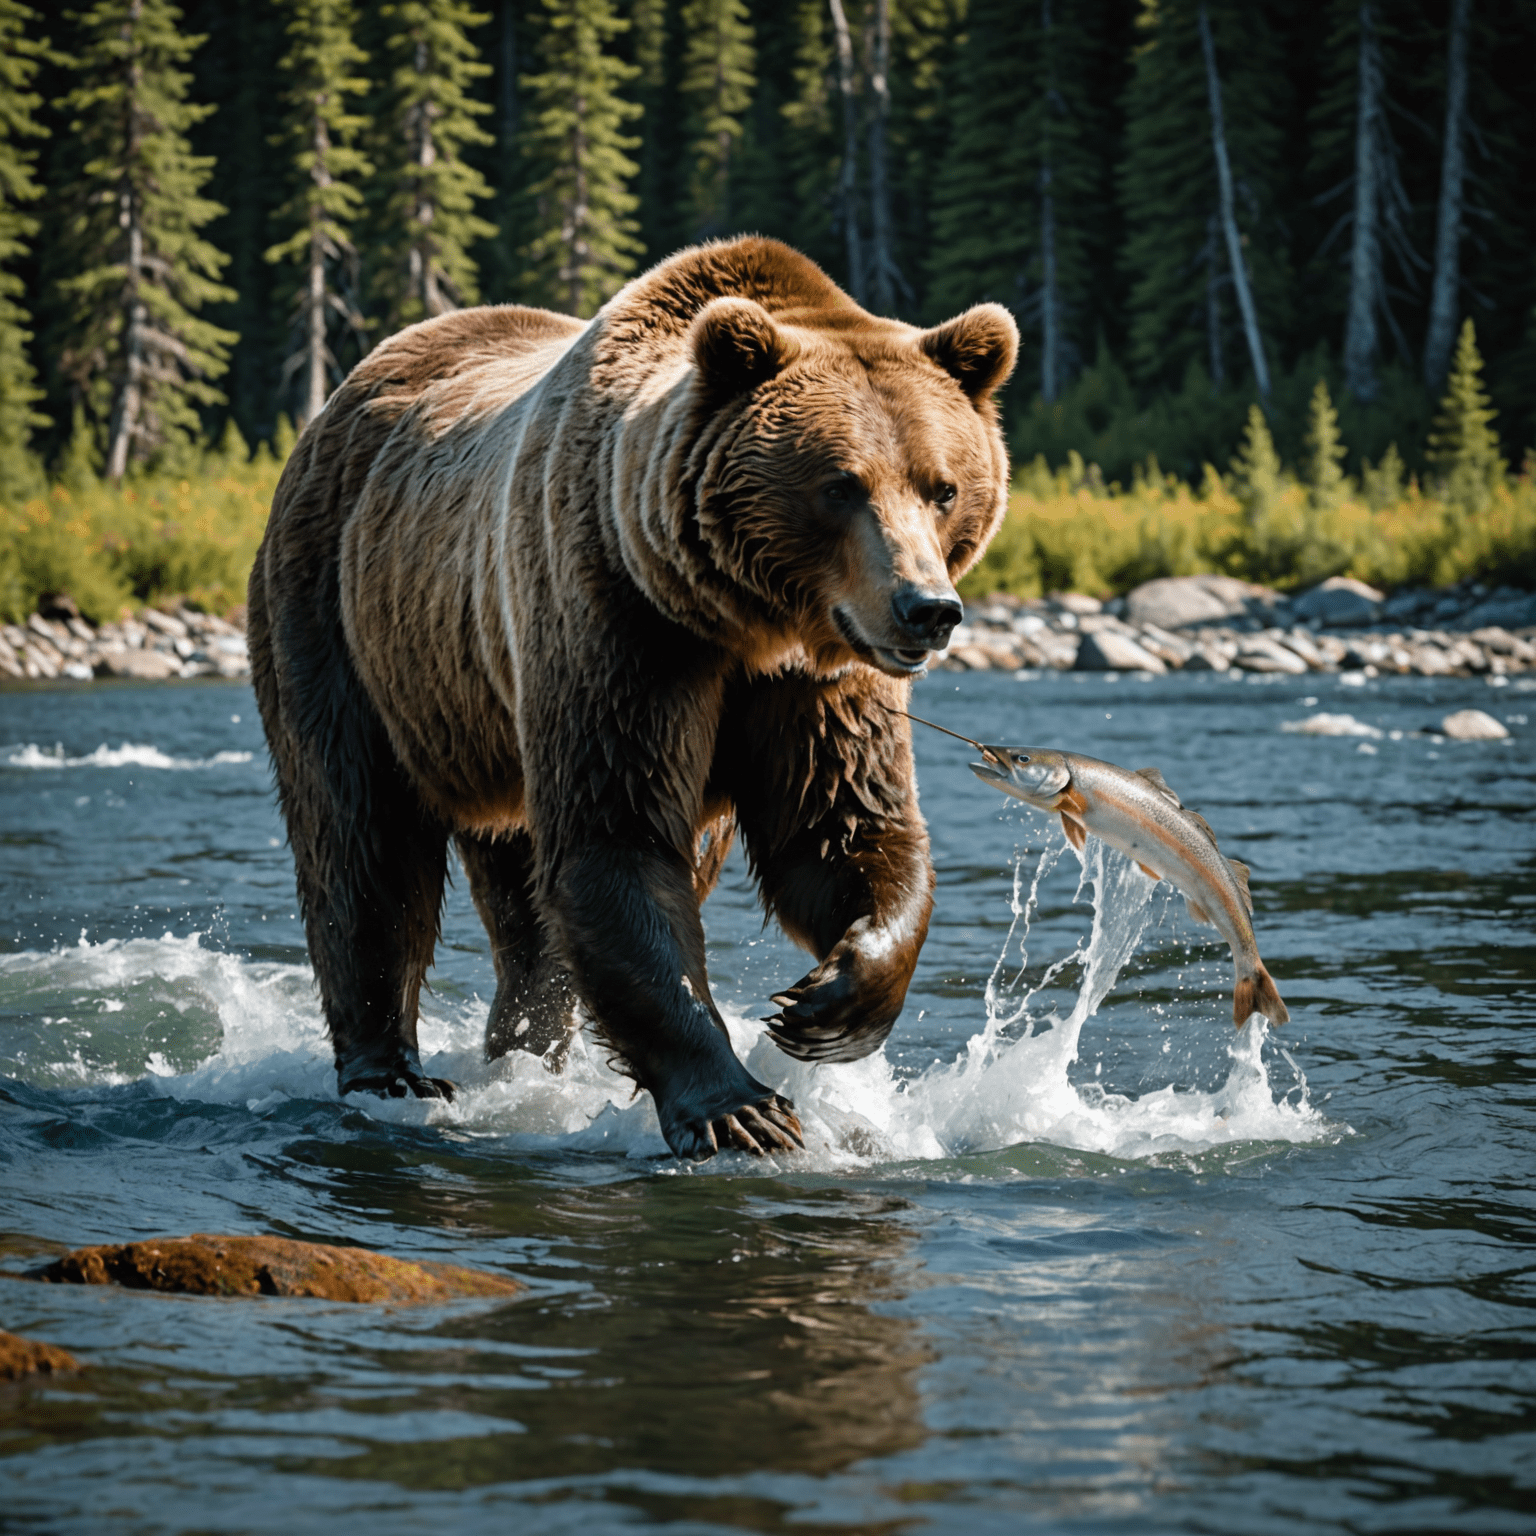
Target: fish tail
1257,994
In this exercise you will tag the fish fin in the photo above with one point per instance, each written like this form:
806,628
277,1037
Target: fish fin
1146,870
1257,994
1204,826
1198,912
1077,833
1241,871
1159,783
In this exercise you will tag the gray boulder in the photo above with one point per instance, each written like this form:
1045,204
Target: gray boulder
1176,602
1501,611
1261,654
151,666
1340,602
1109,651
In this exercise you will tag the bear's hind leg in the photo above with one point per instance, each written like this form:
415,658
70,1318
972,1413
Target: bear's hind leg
535,1001
370,858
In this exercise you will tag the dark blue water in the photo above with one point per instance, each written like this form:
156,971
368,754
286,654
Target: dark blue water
1043,1267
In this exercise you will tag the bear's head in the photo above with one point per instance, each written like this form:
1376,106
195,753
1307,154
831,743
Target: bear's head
855,469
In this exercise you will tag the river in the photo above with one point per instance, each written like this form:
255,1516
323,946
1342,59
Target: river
1070,1255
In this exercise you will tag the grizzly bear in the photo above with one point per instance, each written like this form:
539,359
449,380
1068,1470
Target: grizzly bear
588,598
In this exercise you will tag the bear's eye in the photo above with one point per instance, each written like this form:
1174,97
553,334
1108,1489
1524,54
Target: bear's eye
945,496
840,491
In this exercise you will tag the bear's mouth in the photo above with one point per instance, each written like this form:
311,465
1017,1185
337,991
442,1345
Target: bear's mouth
898,661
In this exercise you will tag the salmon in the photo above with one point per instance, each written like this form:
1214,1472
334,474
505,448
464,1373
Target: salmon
1140,815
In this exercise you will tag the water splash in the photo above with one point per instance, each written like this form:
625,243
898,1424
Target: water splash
256,1037
130,755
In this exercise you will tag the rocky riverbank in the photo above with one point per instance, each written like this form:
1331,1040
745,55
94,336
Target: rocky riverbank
1217,623
1189,623
58,643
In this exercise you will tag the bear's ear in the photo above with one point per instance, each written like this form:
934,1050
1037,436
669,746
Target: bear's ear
736,346
977,349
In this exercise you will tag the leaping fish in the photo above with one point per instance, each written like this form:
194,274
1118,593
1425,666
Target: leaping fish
1140,815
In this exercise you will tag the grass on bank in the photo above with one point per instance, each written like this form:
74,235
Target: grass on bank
191,530
1065,531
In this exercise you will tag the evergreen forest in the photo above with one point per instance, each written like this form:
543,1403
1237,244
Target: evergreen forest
1202,212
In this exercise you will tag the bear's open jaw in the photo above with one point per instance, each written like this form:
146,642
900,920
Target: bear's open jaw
898,663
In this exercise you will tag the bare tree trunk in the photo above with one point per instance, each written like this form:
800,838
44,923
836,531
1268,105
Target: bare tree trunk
1228,215
848,180
1050,301
507,93
1213,300
885,272
1446,290
129,403
576,224
424,273
1366,286
315,344
1049,339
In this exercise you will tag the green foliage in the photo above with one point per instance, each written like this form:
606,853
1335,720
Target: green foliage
138,353
718,81
428,221
150,537
20,56
1463,447
1322,473
325,197
1065,532
578,155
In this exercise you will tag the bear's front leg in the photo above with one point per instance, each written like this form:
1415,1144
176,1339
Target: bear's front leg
627,920
825,797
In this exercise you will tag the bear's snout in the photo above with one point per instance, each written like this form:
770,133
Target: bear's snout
926,617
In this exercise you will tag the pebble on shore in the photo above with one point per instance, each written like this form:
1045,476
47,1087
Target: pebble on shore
1188,623
1217,623
57,642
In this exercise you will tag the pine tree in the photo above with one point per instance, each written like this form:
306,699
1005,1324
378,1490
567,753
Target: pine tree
1463,447
1324,473
138,353
1021,185
428,220
813,136
20,56
1256,467
326,198
1355,158
1177,254
718,81
585,244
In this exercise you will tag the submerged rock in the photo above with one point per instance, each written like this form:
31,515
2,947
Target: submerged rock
26,1357
206,1265
1473,725
1329,725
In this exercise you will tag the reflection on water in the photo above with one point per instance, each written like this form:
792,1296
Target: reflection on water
1072,1256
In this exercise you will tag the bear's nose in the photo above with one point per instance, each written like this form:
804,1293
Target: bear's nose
926,616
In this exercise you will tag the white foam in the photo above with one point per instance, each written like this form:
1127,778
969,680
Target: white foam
1009,1085
129,755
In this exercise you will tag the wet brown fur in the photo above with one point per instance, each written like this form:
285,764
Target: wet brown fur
565,594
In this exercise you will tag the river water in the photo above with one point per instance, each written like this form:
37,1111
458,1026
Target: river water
1071,1255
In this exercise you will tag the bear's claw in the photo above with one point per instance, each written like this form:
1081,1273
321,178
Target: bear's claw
397,1084
770,1125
